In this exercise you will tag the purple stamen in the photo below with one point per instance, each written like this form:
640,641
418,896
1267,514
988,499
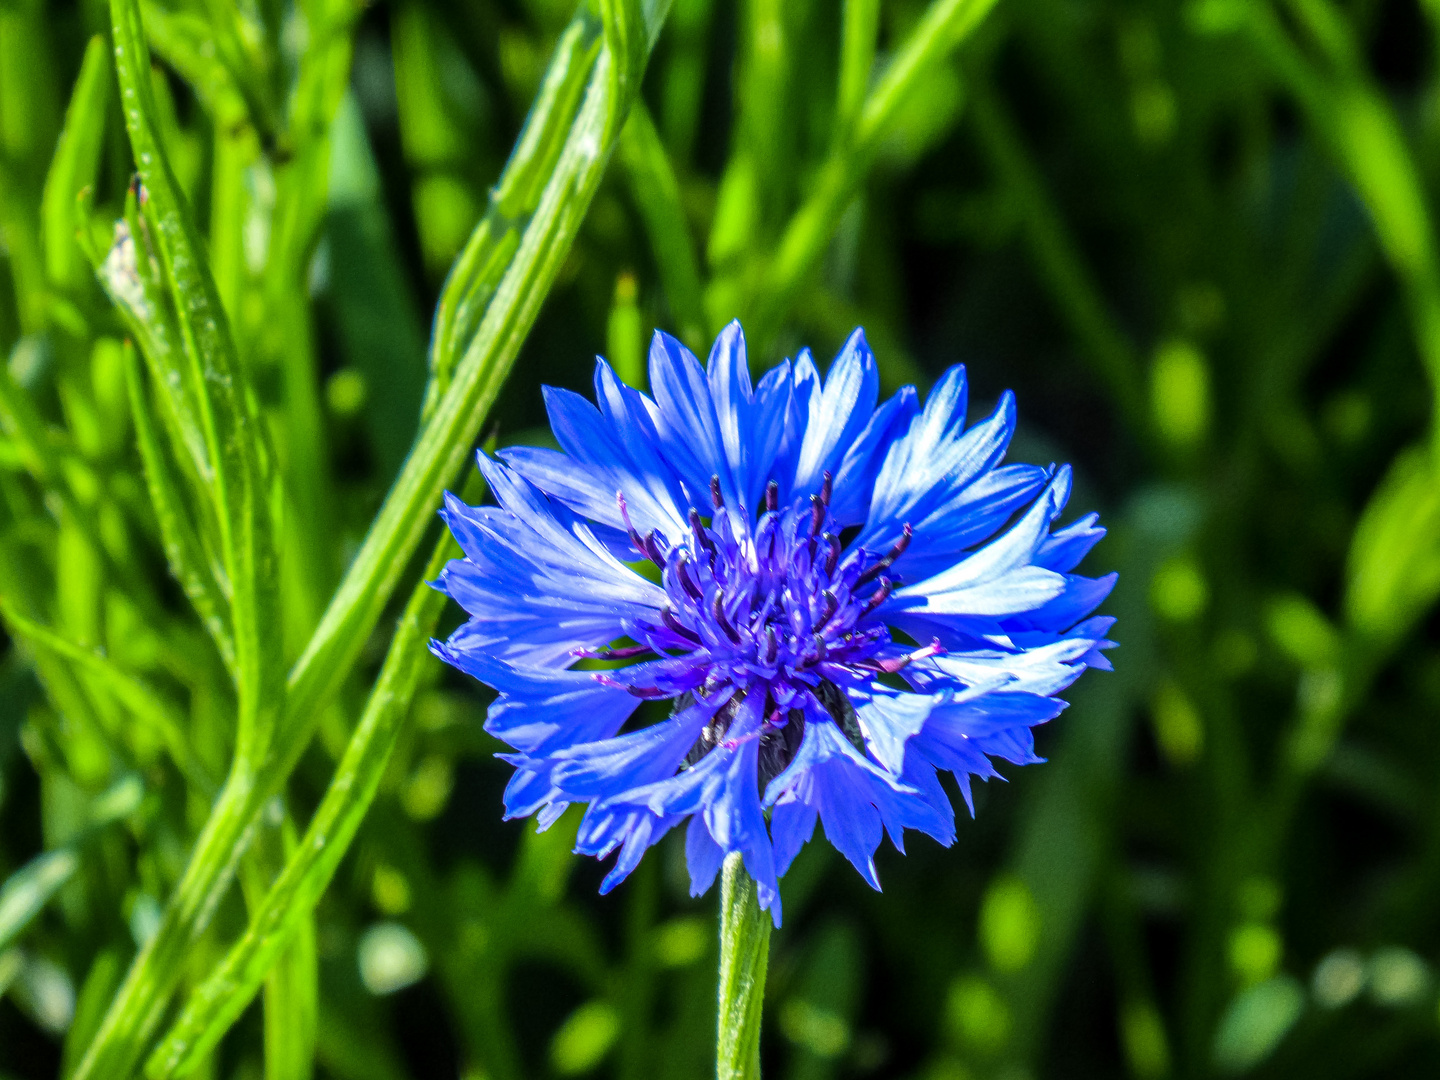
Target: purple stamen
878,597
635,539
702,536
682,571
652,547
648,692
889,560
717,608
715,496
676,626
898,663
607,653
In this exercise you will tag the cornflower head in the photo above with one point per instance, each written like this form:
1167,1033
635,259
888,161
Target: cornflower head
836,601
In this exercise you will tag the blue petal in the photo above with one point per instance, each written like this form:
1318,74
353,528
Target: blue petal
856,476
723,787
803,407
542,708
933,462
703,856
633,830
1064,548
999,578
686,422
857,801
845,406
888,718
792,824
610,768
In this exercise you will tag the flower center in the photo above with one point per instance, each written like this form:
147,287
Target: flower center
775,603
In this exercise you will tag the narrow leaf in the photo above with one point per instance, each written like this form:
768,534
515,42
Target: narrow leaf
657,196
73,166
284,917
183,549
140,700
30,888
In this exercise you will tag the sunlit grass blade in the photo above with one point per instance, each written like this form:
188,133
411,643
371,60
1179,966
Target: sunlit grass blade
183,549
239,458
586,142
281,919
74,164
857,62
657,197
578,168
945,25
471,283
235,445
186,41
141,701
28,890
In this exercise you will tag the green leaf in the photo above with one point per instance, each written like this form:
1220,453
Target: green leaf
1255,1023
234,442
657,197
74,164
476,274
1393,576
585,1038
944,26
286,910
379,324
95,994
454,418
186,41
140,700
130,274
239,458
30,888
183,549
857,59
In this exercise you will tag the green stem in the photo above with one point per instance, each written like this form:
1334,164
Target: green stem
744,954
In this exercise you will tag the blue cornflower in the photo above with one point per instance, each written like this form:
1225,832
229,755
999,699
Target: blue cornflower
836,601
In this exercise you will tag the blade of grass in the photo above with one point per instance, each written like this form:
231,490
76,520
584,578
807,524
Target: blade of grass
945,25
30,888
234,440
284,912
239,457
1058,259
1352,117
140,700
183,550
450,430
74,164
579,165
657,197
302,189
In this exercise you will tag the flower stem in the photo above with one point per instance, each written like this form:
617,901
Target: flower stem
744,954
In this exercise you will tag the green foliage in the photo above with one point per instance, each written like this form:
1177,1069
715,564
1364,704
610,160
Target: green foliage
249,827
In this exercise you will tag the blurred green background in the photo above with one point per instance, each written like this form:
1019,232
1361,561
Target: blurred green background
1195,238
